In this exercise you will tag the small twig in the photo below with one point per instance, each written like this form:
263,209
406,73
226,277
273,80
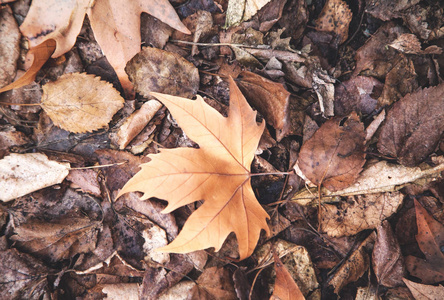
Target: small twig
222,44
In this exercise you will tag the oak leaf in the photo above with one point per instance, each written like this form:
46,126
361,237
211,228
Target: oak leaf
80,102
116,25
217,173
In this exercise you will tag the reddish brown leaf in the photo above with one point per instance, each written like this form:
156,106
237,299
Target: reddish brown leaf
227,147
335,16
334,155
414,126
270,98
285,288
430,239
388,262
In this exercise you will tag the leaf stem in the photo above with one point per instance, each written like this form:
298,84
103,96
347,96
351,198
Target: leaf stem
271,173
20,104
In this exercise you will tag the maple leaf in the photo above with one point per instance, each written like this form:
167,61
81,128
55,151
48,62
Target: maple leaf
116,26
217,173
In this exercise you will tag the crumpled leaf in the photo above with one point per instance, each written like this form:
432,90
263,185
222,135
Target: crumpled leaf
116,25
284,287
21,174
414,126
424,292
335,16
270,98
155,70
409,43
388,9
334,155
388,262
80,102
358,213
227,147
430,239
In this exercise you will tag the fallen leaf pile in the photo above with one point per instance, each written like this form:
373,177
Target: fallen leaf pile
209,149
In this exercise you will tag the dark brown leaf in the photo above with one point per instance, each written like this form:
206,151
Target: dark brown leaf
414,126
388,262
334,155
388,9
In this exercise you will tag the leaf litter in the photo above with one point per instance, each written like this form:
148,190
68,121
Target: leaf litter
324,77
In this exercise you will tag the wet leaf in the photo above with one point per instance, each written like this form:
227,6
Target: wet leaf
227,147
414,126
21,174
80,102
155,70
333,157
335,16
284,287
388,262
430,239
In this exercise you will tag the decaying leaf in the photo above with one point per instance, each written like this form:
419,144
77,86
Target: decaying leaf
414,126
284,287
334,155
116,25
335,16
270,98
9,45
388,9
21,174
359,213
388,262
430,239
80,102
155,70
242,10
215,283
218,173
378,177
424,292
354,266
128,291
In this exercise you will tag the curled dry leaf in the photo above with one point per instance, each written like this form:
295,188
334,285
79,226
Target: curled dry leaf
334,155
116,26
21,174
335,16
218,173
414,126
284,287
270,98
359,213
80,102
430,239
155,70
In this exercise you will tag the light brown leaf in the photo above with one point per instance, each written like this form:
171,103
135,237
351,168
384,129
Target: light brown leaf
424,292
243,10
334,155
116,25
217,173
335,16
9,45
80,102
284,287
430,239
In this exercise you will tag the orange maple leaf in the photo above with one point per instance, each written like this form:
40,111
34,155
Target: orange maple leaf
116,26
217,173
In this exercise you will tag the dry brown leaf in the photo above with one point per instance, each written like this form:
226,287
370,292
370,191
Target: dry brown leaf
9,45
80,102
21,174
430,239
270,98
155,70
414,126
284,287
218,173
425,292
334,155
242,10
388,9
335,16
116,26
215,283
